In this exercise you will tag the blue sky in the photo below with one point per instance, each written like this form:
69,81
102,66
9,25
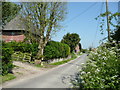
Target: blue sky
85,24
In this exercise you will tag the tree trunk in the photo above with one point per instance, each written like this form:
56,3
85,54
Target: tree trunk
39,54
41,47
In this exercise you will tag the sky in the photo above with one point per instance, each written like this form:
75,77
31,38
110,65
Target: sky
81,20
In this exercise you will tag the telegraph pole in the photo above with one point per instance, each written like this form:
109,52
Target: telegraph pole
108,25
119,12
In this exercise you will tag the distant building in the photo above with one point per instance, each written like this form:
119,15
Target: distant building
78,48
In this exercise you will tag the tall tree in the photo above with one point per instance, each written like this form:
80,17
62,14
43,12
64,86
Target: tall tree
42,19
72,40
9,11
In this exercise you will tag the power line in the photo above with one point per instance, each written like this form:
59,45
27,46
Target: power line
98,22
69,21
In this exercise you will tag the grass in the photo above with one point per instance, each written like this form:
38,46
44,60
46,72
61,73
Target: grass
73,56
39,65
6,77
65,61
61,62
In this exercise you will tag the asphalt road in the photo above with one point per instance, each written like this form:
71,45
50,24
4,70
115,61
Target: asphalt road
58,77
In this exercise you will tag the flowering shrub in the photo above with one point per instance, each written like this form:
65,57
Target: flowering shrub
102,70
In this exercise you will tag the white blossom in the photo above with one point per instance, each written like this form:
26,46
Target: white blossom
82,72
97,70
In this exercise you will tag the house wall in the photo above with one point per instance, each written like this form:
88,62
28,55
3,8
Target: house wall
77,49
12,35
9,38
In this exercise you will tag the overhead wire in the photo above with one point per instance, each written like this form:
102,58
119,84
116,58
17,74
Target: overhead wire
98,23
88,8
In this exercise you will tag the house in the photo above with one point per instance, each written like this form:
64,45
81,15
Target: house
78,48
13,31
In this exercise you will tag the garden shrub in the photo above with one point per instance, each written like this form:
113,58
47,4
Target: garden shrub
6,59
102,70
73,55
56,50
84,50
24,47
23,50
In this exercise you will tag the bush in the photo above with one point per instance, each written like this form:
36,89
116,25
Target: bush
56,50
102,70
6,59
84,50
24,47
26,52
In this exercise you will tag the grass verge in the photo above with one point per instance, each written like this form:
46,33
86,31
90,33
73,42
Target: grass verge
6,77
73,56
61,62
39,65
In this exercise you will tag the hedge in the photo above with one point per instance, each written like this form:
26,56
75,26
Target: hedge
52,50
6,59
11,47
24,47
56,50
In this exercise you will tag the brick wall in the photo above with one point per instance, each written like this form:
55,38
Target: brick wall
16,38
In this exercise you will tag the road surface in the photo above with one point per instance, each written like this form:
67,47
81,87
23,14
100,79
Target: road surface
58,77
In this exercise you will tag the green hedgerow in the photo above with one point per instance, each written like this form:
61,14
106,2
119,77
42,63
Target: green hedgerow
6,59
56,50
102,70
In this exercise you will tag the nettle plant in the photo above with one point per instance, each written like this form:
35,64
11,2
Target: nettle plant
101,70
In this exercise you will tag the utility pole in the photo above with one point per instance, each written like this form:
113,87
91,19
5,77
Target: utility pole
108,25
119,12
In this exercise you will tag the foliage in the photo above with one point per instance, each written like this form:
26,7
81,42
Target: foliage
6,59
24,47
23,51
116,35
56,50
80,53
42,19
113,21
7,77
73,56
61,62
84,50
72,40
9,11
102,70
